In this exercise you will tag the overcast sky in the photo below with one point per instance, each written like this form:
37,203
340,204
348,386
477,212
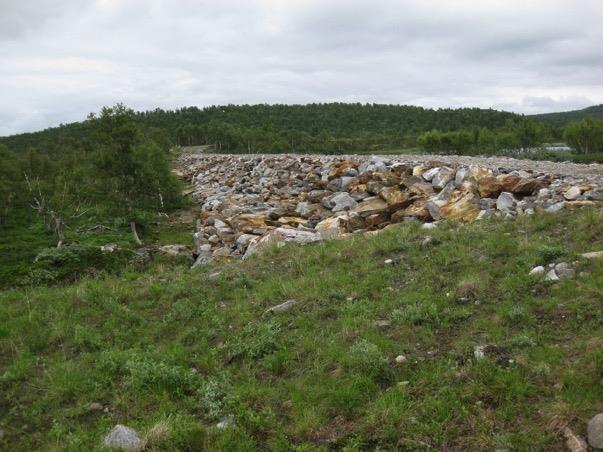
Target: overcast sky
61,59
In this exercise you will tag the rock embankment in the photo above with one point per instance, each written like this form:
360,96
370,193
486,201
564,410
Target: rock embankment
251,201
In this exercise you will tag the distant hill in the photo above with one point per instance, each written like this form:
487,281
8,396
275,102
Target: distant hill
188,125
560,119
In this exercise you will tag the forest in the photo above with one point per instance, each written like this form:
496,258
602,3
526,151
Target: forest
326,128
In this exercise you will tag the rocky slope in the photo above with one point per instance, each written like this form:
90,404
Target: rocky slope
251,201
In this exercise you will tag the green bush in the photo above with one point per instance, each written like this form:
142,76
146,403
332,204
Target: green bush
72,261
147,372
366,358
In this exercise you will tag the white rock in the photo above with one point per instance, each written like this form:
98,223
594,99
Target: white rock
400,359
595,431
460,176
506,201
572,194
430,174
593,255
281,307
552,276
388,261
537,270
224,423
555,207
122,437
429,226
478,351
340,201
564,270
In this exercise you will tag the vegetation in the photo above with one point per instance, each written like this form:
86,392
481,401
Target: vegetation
171,352
586,136
60,195
321,128
561,119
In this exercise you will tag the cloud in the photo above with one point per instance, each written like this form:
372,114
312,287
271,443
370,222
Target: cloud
63,59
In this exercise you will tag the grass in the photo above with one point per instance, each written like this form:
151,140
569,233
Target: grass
25,238
171,352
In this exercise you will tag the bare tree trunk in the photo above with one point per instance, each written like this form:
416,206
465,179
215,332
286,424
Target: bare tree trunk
135,233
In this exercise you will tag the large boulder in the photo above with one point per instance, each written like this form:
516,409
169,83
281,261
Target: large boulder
461,207
506,202
332,227
489,187
395,198
339,202
370,206
442,177
281,235
527,186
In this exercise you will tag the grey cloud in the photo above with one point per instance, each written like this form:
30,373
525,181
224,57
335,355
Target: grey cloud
63,59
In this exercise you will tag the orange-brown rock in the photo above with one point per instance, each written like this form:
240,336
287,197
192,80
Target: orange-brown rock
461,207
527,186
371,206
508,181
341,169
479,172
421,189
417,209
376,220
395,198
489,187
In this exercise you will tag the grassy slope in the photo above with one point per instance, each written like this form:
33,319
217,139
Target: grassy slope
171,351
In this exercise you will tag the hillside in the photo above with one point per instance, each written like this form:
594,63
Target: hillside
450,345
276,126
560,119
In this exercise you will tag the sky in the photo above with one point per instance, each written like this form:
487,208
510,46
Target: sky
62,59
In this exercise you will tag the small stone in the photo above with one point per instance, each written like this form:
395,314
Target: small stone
537,270
224,423
95,406
214,275
122,437
573,442
400,359
402,384
595,431
281,307
555,207
479,351
552,276
426,241
388,261
429,226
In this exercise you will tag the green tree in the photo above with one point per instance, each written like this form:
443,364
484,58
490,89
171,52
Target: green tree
585,136
135,171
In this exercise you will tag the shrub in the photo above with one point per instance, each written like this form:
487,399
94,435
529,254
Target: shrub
72,261
257,341
365,357
548,253
214,398
159,375
416,314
